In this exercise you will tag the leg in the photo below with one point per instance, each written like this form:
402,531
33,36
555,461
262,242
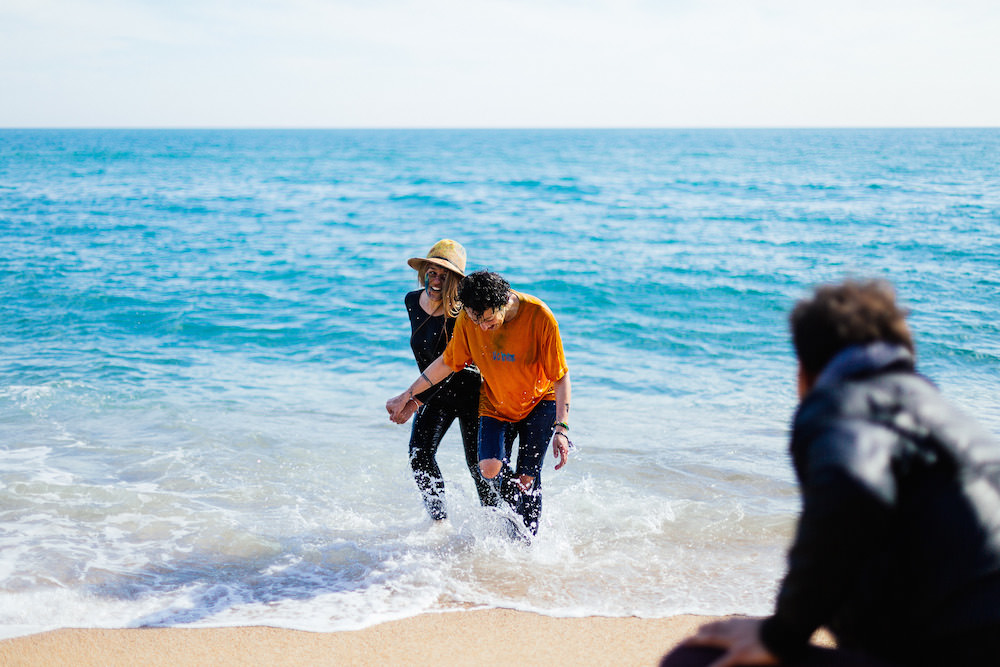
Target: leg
702,656
429,426
496,439
980,646
492,452
469,423
531,504
535,432
691,656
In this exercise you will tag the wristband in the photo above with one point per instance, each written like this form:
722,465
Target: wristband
563,424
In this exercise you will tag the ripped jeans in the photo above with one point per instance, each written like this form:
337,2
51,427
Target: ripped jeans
496,441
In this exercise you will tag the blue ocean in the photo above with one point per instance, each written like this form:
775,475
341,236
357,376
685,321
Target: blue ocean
200,330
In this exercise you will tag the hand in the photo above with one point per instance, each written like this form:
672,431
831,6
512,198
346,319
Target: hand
560,448
740,637
409,409
401,408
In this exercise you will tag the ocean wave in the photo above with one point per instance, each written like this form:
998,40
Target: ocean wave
423,200
202,328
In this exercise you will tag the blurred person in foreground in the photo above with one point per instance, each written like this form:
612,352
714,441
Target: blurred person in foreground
514,339
897,548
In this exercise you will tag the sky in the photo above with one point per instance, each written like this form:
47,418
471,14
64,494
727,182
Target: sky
499,63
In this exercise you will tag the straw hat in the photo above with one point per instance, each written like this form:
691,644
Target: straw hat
445,253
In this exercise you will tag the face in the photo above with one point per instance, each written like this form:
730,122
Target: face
434,280
491,319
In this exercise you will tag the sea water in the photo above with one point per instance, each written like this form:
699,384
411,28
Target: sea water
200,330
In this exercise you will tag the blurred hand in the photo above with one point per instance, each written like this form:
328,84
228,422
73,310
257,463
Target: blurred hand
740,637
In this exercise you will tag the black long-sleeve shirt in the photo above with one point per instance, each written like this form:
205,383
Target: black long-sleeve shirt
429,335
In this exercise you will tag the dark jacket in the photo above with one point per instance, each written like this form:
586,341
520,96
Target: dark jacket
897,549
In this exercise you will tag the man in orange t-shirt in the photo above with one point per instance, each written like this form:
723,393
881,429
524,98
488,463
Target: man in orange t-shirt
514,340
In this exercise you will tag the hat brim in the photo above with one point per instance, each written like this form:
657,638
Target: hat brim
416,262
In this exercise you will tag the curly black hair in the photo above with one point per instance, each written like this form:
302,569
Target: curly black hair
841,315
483,290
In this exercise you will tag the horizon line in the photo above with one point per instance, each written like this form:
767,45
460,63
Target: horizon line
360,128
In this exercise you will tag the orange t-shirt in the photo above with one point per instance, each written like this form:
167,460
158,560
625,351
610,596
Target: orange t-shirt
520,361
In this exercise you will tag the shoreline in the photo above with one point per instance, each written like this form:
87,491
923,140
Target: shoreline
454,638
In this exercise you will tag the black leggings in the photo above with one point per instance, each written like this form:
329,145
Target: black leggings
429,426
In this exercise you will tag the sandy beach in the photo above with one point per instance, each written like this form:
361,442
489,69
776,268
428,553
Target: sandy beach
463,638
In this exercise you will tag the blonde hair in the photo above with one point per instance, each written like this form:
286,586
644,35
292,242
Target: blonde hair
452,306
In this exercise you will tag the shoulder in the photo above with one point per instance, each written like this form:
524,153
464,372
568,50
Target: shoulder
529,299
412,298
533,305
867,398
857,424
461,323
832,444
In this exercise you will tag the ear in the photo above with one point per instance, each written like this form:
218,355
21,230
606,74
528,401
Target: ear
806,382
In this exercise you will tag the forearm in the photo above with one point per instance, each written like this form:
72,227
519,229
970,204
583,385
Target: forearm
841,526
563,397
431,376
560,440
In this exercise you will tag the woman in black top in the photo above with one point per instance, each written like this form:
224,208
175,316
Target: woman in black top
432,312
